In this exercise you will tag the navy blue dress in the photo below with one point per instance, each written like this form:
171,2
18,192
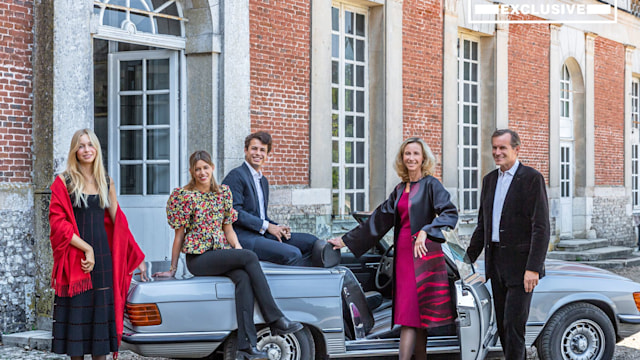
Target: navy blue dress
85,323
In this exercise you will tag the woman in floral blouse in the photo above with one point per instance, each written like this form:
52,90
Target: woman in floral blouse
201,214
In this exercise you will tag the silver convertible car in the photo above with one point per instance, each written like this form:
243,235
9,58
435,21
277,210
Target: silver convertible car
577,312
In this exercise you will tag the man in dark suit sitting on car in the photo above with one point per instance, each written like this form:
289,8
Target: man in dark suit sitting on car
270,241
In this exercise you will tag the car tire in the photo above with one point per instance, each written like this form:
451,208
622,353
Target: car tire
295,346
577,331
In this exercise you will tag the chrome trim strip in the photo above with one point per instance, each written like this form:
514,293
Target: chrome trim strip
332,330
630,319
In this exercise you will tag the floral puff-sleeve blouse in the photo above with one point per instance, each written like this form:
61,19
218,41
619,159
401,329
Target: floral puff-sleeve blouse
202,215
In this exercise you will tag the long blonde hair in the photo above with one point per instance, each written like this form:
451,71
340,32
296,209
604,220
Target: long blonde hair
77,185
193,159
428,160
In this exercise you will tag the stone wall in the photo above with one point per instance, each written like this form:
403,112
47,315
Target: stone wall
17,265
610,220
304,210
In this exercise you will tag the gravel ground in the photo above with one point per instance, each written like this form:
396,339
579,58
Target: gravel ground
629,349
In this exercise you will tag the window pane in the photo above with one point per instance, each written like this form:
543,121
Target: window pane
158,112
466,66
360,127
465,116
348,22
466,200
348,48
335,177
474,174
348,74
360,152
158,74
360,75
466,136
474,72
360,101
158,144
348,178
360,178
474,136
131,179
474,93
360,24
467,157
131,110
359,202
466,92
158,179
335,19
334,99
474,159
335,72
335,201
131,75
474,50
334,125
131,145
474,115
348,100
467,51
335,152
360,50
142,22
348,203
467,180
348,126
335,46
348,152
113,17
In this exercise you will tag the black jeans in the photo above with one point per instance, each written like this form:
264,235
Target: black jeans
243,268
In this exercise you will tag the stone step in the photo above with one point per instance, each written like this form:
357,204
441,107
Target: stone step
581,244
603,253
35,339
614,263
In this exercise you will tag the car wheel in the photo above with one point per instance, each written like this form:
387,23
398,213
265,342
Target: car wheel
296,346
576,332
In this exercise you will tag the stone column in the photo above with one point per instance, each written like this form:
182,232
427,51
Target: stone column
502,73
555,67
235,120
393,81
589,90
628,126
450,100
202,57
320,132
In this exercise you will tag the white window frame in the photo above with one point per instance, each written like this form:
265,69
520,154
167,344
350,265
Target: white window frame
144,199
341,139
468,173
635,143
566,104
127,32
566,169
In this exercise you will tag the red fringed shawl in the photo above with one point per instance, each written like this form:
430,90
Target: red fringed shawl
67,277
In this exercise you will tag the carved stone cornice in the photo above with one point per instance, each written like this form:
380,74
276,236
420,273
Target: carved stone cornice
590,38
451,6
628,53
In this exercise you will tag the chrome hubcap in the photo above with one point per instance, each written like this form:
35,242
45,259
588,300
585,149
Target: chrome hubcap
582,340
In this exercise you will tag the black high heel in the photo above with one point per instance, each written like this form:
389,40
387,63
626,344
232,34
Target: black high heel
284,326
251,353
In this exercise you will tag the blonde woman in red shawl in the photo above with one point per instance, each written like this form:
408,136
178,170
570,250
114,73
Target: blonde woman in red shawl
94,255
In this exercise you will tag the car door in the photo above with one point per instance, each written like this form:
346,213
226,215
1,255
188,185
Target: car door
476,326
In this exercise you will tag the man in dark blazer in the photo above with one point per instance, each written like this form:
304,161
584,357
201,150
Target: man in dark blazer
250,189
513,230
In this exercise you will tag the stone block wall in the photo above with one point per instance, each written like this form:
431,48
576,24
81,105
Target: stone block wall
17,271
611,222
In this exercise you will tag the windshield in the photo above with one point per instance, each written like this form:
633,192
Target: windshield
457,253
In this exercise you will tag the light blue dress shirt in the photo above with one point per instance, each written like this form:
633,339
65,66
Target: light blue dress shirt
502,187
257,176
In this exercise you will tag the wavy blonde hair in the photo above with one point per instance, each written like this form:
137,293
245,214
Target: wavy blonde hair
77,185
428,160
193,159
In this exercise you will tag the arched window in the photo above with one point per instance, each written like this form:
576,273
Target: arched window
147,22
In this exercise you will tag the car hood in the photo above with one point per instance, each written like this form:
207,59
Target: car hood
572,269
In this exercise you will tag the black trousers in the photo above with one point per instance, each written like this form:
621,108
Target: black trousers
511,304
243,268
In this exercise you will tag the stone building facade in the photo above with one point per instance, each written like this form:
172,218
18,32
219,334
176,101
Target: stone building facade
338,83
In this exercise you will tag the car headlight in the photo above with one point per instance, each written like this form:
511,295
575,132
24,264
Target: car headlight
145,314
636,297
